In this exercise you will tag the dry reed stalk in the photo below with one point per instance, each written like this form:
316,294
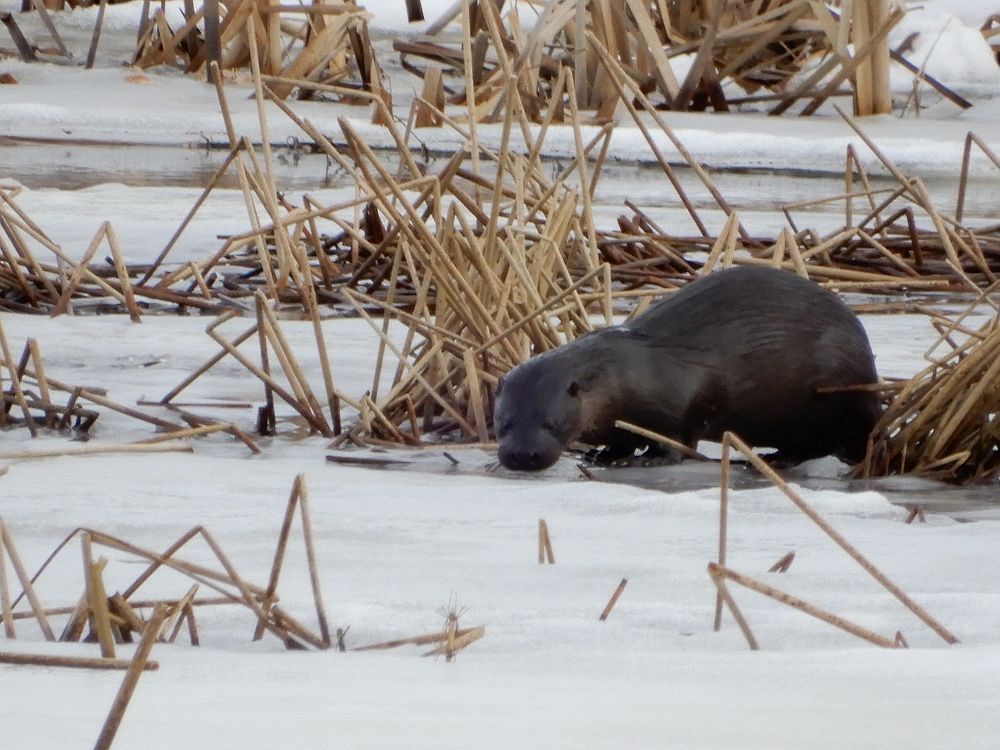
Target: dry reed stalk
970,140
292,400
92,450
544,544
310,545
6,610
725,465
206,191
178,612
732,440
291,367
71,662
940,422
212,361
724,597
120,607
131,679
27,587
414,372
456,640
247,594
920,196
802,606
420,640
122,272
203,575
15,380
676,445
783,564
97,598
190,432
613,600
32,349
626,84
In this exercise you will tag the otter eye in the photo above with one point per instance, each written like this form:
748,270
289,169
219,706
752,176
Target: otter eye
548,427
573,389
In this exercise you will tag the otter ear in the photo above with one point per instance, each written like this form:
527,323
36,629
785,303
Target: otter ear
500,382
573,389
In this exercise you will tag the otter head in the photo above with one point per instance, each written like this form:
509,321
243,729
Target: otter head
539,411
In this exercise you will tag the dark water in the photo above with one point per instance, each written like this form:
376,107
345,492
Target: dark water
73,166
963,503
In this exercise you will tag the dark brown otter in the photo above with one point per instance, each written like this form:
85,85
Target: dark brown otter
745,349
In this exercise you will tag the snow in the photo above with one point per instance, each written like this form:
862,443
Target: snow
397,546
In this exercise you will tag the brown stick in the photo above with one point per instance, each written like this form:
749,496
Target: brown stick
669,442
135,670
782,565
6,610
544,544
308,538
613,600
8,360
29,590
841,542
92,450
73,662
419,640
270,590
720,572
734,610
723,530
456,640
97,598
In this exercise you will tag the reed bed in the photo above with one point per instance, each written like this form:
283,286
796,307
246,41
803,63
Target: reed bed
739,48
480,260
944,422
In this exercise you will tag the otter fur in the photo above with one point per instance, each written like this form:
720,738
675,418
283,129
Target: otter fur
744,350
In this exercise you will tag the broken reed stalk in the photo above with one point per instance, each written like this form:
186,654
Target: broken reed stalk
662,439
544,544
613,600
719,572
93,450
724,597
455,641
783,564
27,586
731,441
460,635
98,602
97,597
6,609
131,679
177,613
15,379
298,499
72,662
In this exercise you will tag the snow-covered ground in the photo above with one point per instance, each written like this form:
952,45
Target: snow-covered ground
397,547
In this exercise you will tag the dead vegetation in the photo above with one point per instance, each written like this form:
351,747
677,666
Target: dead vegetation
722,575
944,422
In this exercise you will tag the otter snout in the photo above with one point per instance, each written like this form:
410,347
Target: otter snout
522,457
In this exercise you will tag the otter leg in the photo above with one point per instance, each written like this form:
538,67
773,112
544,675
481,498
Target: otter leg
619,446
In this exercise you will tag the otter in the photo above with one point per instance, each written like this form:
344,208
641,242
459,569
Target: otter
748,349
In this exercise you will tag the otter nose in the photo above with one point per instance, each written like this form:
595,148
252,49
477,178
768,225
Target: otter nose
524,460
